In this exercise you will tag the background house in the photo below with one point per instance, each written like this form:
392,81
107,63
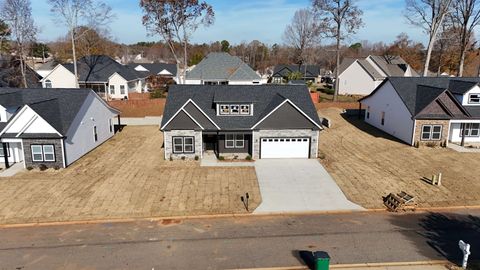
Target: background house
222,68
360,76
157,74
309,73
420,110
52,127
267,121
101,73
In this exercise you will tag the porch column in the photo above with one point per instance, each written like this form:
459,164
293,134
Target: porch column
5,155
462,128
359,110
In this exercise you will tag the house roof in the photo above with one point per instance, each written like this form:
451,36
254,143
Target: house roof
418,92
347,61
99,68
156,68
460,86
222,67
392,66
308,70
58,107
370,69
264,98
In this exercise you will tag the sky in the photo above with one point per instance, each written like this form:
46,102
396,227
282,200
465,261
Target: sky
242,20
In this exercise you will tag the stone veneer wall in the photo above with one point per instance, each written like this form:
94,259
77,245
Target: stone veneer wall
183,133
57,145
418,130
313,134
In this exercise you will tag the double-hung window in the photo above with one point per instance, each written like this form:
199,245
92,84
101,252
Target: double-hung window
183,145
431,132
112,89
41,153
474,99
234,141
122,89
471,130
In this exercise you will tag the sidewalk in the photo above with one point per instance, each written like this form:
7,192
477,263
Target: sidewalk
14,169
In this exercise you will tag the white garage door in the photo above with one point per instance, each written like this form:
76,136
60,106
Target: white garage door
284,147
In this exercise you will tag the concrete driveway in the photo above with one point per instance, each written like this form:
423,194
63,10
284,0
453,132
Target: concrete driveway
297,185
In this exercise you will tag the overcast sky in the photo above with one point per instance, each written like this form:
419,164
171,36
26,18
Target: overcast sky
242,20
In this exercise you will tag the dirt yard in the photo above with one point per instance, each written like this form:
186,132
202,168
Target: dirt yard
368,164
126,178
139,107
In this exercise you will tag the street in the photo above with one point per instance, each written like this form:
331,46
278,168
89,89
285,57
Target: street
247,242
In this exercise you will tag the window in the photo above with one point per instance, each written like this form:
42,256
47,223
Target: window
471,130
474,99
183,145
1,150
95,135
43,153
224,109
48,153
48,84
112,89
383,118
431,133
234,141
122,89
245,109
234,109
368,112
110,125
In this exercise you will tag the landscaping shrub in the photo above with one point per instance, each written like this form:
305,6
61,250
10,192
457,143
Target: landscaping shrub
248,157
183,158
56,168
327,91
158,93
196,158
431,144
417,144
42,167
321,155
221,158
171,159
29,168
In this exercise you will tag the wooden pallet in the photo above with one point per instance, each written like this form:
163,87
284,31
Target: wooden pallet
399,201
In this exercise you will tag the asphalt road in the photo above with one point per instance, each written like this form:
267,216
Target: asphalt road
232,243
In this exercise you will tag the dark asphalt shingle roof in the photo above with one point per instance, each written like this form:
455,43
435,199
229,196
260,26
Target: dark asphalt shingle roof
58,107
99,68
307,70
264,98
461,87
222,67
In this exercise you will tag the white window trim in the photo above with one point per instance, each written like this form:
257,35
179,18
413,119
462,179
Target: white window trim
112,89
183,144
468,131
430,133
246,106
48,83
470,98
234,140
42,152
122,89
36,153
231,109
51,153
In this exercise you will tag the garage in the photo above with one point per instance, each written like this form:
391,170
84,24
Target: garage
285,148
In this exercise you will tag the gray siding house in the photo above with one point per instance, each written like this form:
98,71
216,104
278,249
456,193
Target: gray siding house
52,127
267,121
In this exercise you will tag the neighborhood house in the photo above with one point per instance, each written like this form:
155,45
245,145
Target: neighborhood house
309,73
360,76
101,73
222,68
420,110
52,127
267,121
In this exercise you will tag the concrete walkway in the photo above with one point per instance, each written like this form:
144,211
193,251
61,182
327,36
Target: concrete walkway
298,185
14,169
210,160
461,149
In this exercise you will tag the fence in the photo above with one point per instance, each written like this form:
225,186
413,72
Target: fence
139,107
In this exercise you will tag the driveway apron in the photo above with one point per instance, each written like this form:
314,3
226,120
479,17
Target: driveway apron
298,185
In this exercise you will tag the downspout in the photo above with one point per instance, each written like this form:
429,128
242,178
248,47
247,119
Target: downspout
64,154
5,155
462,128
414,130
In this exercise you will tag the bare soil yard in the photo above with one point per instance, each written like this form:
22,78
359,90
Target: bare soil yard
368,164
126,177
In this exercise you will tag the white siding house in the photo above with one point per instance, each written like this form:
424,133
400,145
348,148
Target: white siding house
59,77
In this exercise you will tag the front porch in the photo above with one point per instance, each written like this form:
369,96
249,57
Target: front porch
465,133
11,152
228,145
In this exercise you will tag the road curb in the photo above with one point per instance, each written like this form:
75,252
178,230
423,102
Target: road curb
245,215
356,265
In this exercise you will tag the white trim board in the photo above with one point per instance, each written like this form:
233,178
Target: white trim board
295,106
182,109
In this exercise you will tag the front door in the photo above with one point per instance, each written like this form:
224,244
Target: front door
210,142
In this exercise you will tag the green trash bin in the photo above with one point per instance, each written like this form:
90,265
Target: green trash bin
322,260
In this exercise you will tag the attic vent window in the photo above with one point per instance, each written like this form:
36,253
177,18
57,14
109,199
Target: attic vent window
474,99
235,109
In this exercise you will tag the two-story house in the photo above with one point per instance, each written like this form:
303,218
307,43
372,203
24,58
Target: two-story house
265,121
52,127
426,109
101,73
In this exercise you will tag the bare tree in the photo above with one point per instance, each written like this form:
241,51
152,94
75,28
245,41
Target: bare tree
75,13
302,33
465,16
175,21
339,19
18,15
430,16
5,32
